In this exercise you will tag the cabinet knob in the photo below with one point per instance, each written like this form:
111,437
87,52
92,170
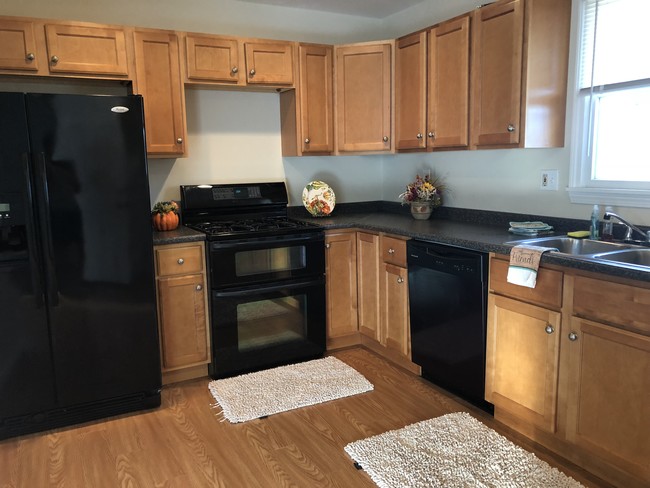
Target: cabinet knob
431,135
573,336
179,140
549,329
385,138
199,287
511,128
54,59
252,72
419,136
180,261
307,140
327,246
400,279
391,251
30,57
234,70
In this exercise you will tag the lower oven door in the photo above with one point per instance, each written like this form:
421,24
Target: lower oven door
260,327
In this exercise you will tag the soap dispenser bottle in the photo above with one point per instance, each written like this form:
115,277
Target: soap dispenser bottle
608,226
595,222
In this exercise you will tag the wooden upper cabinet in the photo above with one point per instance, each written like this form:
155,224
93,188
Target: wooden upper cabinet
448,89
86,50
158,80
410,91
363,97
19,49
316,101
269,63
519,73
214,58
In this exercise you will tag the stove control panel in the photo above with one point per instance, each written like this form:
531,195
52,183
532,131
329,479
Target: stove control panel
236,193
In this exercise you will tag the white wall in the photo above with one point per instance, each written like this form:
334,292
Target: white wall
235,136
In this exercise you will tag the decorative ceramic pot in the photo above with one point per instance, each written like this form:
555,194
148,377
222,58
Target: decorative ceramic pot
421,210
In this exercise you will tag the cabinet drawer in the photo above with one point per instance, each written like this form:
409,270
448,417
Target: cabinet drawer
613,303
547,292
179,260
393,251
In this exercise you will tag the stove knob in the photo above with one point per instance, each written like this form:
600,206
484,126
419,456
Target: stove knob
180,261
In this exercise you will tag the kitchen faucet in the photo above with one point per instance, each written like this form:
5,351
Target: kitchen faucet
630,227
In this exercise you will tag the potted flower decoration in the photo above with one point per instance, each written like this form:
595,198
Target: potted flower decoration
164,215
423,195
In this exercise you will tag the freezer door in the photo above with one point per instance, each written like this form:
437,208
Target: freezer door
92,193
26,377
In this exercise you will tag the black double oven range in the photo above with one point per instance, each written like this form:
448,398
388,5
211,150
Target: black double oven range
266,274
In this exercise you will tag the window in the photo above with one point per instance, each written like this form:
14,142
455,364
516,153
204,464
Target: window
611,163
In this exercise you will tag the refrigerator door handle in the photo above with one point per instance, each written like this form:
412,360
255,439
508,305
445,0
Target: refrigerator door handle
34,260
52,295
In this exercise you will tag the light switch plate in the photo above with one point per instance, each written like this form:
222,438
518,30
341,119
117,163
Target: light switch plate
549,180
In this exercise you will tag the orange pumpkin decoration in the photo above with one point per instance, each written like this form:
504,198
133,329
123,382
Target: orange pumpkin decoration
164,216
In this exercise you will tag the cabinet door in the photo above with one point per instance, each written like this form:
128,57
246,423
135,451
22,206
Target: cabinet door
341,273
19,50
213,59
269,63
86,50
522,360
316,105
158,80
363,97
410,91
497,41
368,258
608,404
183,321
448,100
395,326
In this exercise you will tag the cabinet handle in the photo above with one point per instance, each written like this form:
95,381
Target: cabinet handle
391,251
30,57
252,72
307,140
385,138
431,135
400,279
573,336
327,246
549,329
234,70
511,128
180,261
199,287
419,136
54,59
179,140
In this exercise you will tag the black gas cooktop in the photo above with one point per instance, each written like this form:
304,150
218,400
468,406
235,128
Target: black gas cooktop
252,227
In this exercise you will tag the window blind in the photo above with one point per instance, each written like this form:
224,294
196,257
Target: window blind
615,45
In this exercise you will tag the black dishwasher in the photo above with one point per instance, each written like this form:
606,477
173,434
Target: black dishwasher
447,300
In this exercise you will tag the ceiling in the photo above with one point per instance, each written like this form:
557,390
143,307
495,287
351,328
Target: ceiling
378,9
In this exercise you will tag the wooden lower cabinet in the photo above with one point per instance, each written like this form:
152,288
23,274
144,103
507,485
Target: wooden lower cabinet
368,256
522,360
183,317
395,325
568,364
341,286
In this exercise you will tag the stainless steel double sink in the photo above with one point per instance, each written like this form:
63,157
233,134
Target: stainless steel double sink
590,250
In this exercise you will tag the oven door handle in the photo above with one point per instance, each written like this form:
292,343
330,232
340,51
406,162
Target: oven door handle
239,243
258,290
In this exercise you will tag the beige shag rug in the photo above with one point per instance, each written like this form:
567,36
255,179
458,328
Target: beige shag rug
254,395
452,451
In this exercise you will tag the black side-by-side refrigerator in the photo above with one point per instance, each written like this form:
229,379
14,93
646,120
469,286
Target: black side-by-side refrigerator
78,329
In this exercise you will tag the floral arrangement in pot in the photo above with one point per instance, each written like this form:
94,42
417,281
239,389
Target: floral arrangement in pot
164,215
423,195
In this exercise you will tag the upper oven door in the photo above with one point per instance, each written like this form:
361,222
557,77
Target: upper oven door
264,260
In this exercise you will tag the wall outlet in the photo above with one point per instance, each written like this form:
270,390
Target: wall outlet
548,180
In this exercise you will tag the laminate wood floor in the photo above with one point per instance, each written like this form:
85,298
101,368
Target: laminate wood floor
184,443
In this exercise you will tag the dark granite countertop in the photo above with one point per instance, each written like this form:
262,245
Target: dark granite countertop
180,234
480,231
